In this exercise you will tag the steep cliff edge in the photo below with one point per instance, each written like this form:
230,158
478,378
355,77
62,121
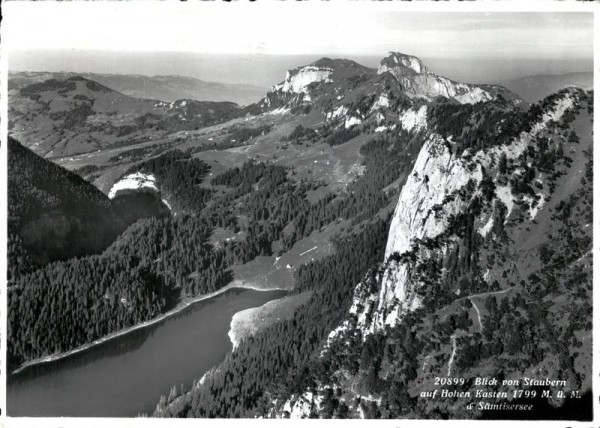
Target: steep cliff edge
486,269
487,235
417,80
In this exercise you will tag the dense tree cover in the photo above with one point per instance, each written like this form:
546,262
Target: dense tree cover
77,116
179,177
50,85
480,125
386,365
386,159
55,212
525,325
249,174
144,273
94,86
268,201
166,259
301,133
244,133
535,324
342,136
65,304
238,387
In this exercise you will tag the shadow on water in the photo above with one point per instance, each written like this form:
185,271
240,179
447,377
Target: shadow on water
127,375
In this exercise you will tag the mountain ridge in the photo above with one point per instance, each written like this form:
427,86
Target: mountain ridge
496,194
459,219
169,87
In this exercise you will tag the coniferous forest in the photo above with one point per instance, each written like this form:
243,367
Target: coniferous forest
159,260
408,228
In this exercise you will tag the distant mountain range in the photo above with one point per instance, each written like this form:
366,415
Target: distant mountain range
483,269
536,88
59,117
164,88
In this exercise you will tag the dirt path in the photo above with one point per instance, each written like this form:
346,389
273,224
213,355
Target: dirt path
490,293
451,360
478,314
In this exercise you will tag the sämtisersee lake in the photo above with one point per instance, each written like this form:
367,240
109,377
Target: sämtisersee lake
127,375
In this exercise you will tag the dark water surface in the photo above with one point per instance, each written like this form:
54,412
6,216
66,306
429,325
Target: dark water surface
127,375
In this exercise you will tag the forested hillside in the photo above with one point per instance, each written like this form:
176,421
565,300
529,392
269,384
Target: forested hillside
483,269
510,269
159,261
54,214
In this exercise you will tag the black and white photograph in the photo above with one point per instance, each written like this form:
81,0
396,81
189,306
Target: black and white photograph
297,210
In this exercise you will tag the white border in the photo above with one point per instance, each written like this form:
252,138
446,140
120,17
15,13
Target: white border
14,8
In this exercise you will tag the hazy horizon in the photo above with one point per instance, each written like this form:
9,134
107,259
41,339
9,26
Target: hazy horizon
264,71
256,43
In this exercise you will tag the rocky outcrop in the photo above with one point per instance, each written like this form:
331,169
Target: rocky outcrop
417,80
138,195
301,84
432,195
133,182
299,79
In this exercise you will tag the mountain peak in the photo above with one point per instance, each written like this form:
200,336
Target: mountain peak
416,80
336,64
412,63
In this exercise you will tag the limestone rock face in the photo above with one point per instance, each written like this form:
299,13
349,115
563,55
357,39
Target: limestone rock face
298,80
417,80
427,203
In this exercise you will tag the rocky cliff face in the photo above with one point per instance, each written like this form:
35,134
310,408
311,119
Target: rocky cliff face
431,198
303,85
453,199
298,80
417,80
338,88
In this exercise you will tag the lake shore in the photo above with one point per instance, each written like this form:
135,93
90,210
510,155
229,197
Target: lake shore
247,322
236,284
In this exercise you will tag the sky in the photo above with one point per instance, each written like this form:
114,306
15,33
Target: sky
254,43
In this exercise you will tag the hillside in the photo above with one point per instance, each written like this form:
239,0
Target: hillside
535,88
488,252
77,115
440,229
54,214
163,88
